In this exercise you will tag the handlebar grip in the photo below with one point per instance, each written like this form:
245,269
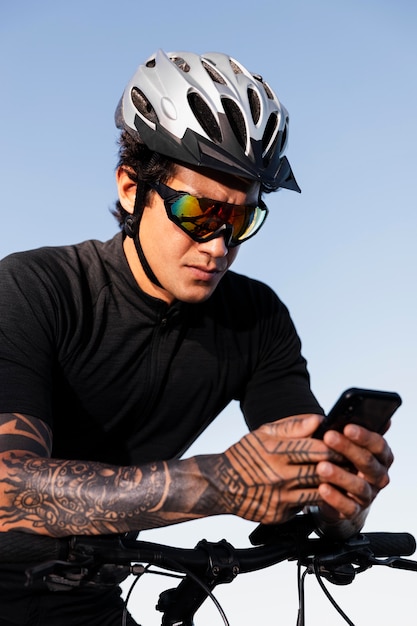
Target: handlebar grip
391,544
21,547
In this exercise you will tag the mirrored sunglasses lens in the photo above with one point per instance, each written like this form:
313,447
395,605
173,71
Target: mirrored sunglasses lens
254,221
196,216
201,217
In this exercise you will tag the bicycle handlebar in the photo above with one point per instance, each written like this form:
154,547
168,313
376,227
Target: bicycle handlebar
271,542
69,562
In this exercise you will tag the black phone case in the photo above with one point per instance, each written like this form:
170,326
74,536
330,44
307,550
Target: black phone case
366,407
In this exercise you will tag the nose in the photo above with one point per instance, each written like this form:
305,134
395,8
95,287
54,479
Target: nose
216,248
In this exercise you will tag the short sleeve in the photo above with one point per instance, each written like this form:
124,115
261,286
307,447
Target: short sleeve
26,337
280,383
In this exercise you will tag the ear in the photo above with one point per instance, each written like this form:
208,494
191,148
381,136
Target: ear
126,188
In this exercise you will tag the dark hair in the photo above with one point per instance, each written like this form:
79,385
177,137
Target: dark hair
140,164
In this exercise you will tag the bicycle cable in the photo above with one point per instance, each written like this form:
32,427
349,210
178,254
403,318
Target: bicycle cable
188,573
65,565
301,599
129,593
328,594
146,570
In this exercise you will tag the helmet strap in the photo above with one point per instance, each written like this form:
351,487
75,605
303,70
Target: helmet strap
131,228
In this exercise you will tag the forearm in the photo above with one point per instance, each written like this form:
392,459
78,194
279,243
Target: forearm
265,477
61,497
65,497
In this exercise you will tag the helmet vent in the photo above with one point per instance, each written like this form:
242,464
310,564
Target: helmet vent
214,75
283,138
255,105
265,85
181,64
151,62
204,116
236,120
235,67
142,104
268,90
269,133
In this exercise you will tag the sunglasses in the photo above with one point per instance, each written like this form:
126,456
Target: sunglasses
204,219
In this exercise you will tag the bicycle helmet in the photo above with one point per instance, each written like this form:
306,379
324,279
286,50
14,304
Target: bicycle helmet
209,111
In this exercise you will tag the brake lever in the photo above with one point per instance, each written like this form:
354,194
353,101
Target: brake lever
341,565
396,563
56,575
64,575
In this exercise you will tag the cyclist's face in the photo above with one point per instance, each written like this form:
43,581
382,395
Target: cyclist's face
188,270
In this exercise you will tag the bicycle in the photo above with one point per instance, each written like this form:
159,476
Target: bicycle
107,560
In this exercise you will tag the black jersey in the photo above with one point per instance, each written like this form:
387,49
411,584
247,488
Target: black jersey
121,377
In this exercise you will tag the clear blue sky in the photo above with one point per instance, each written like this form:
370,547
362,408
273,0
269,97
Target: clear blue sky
342,254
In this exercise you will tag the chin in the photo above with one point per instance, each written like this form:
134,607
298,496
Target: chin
197,296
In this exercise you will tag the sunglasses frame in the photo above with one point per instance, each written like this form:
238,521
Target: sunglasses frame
170,196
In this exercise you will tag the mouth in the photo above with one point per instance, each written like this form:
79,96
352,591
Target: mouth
206,274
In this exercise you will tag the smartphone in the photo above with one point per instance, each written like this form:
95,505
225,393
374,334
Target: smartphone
366,407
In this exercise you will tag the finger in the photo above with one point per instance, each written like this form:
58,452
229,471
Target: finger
373,442
351,486
282,505
372,462
302,425
338,501
284,452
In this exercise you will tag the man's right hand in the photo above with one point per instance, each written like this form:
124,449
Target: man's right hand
270,474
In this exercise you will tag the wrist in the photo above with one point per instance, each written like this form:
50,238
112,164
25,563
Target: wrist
194,489
224,489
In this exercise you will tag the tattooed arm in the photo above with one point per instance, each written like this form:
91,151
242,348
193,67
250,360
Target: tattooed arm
259,478
60,497
267,476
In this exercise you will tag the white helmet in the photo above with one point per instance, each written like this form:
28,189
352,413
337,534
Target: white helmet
209,111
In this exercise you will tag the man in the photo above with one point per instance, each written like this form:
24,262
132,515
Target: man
115,356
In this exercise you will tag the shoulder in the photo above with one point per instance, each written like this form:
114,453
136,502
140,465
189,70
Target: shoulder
51,256
59,266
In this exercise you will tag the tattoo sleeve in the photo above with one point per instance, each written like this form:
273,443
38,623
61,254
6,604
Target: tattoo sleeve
20,432
61,497
77,497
